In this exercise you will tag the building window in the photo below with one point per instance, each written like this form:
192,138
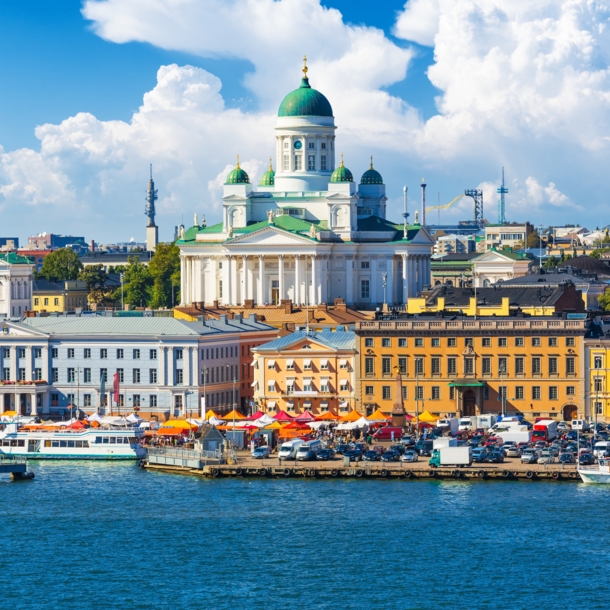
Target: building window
519,342
323,162
536,392
297,163
451,342
570,366
6,352
436,366
519,394
286,162
468,366
103,375
369,366
6,374
71,375
56,301
365,289
597,363
87,353
307,387
502,392
553,392
54,400
419,342
324,386
103,354
136,354
86,400
311,145
179,376
364,264
121,376
402,342
35,301
87,375
153,400
70,398
552,341
386,366
419,392
405,393
152,354
452,393
536,341
451,366
311,163
368,342
502,366
553,370
323,365
37,374
519,366
502,341
571,390
598,384
70,353
37,352
486,366
121,400
419,366
436,392
307,365
536,368
54,353
385,343
598,408
570,342
119,354
179,354
54,375
469,342
386,392
136,400
136,375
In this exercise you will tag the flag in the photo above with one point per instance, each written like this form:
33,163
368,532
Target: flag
116,387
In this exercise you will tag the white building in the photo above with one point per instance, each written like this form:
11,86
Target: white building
16,281
499,266
308,233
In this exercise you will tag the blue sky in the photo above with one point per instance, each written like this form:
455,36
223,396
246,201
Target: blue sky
55,64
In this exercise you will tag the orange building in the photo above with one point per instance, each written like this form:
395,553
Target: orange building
306,370
464,366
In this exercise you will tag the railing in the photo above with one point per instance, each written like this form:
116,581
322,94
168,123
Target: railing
385,325
7,459
185,454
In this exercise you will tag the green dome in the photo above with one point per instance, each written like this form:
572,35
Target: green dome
268,178
371,176
237,175
305,101
342,174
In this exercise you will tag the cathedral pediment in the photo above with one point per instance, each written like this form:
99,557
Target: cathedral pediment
270,236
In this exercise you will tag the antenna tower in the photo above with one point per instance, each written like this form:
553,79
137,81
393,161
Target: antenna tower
502,191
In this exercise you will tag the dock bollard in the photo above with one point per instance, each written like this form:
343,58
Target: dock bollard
346,461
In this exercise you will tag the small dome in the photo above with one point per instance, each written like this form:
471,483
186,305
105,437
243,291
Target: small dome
371,176
342,174
237,175
268,178
305,101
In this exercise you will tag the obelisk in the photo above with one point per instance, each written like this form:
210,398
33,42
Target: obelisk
398,411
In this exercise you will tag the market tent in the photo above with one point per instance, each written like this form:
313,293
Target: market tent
274,426
428,418
351,416
264,419
132,418
328,416
173,431
282,416
378,415
215,421
8,414
295,425
233,415
77,425
363,421
94,417
257,415
306,416
179,423
211,413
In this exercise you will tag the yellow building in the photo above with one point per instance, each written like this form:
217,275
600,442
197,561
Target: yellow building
59,296
306,370
598,379
464,366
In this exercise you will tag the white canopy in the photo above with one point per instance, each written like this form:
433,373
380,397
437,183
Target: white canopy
94,417
265,420
132,418
214,421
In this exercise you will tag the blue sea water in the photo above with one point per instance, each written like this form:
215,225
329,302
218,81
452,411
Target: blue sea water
108,536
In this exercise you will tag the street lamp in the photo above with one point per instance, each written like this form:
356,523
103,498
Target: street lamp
205,375
384,277
503,389
122,276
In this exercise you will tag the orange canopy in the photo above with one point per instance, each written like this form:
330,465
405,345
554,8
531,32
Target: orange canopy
180,423
233,415
351,416
171,431
378,415
327,416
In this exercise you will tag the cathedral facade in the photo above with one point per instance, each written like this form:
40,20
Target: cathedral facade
308,232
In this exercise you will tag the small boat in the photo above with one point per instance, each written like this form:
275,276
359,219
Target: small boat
72,444
596,474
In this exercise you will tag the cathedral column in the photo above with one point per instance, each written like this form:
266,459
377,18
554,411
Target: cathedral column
244,279
226,280
182,281
405,278
420,273
412,276
28,363
373,285
234,280
314,280
349,279
324,279
428,274
390,286
297,279
261,280
250,274
212,292
280,258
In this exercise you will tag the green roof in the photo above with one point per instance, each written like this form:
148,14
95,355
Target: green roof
12,258
237,176
467,383
305,101
371,176
268,178
342,174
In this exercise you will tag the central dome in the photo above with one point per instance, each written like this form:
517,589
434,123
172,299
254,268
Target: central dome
305,101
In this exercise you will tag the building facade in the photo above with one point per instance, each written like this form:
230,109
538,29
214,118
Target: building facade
165,367
307,370
463,366
509,235
68,295
16,279
597,389
308,233
496,266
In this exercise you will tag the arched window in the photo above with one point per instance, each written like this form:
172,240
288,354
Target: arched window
486,283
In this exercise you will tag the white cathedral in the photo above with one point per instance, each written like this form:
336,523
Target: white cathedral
308,233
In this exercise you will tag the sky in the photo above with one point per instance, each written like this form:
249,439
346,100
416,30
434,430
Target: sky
446,90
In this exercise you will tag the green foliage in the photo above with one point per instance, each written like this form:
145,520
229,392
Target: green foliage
550,262
62,264
165,273
137,284
604,300
94,276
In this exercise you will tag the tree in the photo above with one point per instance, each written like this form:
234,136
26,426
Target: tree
550,263
62,264
562,256
604,300
94,276
164,270
137,284
533,240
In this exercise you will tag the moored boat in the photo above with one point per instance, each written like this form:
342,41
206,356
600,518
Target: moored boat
596,474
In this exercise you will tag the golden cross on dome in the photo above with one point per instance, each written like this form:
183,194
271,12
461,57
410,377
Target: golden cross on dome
237,163
371,161
305,69
270,165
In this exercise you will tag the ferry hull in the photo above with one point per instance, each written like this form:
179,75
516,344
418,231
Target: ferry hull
595,477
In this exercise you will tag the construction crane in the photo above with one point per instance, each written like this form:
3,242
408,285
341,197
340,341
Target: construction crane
445,206
477,196
502,191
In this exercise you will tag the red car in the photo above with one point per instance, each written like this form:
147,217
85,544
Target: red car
492,441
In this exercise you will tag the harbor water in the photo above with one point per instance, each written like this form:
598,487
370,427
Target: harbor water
90,535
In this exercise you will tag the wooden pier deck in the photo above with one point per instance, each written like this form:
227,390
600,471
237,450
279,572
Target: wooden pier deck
16,467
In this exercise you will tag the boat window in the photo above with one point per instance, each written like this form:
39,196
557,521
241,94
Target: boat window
6,443
62,443
112,440
47,443
21,443
70,443
85,444
120,440
98,439
105,440
55,443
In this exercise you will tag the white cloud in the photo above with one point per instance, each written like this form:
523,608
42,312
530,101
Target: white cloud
418,22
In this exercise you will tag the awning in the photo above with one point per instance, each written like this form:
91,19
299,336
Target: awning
307,404
324,363
343,383
324,377
290,404
270,364
342,362
271,384
171,431
271,404
324,404
254,363
467,383
306,363
307,379
289,363
290,378
254,384
343,403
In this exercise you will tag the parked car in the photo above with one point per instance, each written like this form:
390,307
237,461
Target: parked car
479,455
513,452
546,457
408,440
572,435
325,454
390,456
586,459
492,441
400,448
562,426
423,447
495,457
372,456
261,452
342,448
355,455
529,455
410,456
566,458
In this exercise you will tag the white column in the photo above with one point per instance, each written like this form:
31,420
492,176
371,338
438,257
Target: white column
28,363
420,273
323,268
349,280
373,284
405,278
193,276
45,403
45,364
412,276
297,279
212,280
226,281
33,405
200,296
187,366
171,378
182,281
13,363
234,280
261,280
161,377
428,274
244,279
315,280
390,286
250,274
280,258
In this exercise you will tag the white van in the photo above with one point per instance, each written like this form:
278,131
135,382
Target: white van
580,424
288,450
309,450
600,448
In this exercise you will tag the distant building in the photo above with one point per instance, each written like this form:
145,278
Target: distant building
36,256
60,296
452,269
45,240
9,243
498,266
455,244
16,279
510,235
113,259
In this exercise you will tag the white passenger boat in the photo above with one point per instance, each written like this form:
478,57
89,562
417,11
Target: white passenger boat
596,474
84,444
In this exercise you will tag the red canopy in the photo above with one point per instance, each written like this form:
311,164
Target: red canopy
306,416
282,416
257,415
295,425
77,425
